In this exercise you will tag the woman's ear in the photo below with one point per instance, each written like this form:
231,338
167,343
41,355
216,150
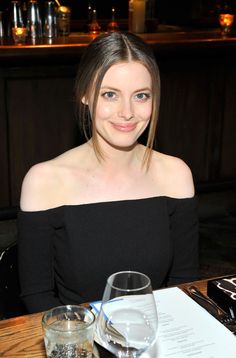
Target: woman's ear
84,101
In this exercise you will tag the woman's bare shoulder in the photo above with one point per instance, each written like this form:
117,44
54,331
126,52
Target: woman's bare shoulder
43,186
38,187
174,175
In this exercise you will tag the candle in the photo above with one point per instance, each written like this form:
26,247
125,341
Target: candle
19,31
226,22
19,34
137,10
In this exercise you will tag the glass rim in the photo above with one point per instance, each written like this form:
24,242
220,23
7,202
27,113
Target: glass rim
129,289
49,312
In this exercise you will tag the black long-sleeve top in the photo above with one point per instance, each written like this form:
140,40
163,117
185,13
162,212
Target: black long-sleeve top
67,253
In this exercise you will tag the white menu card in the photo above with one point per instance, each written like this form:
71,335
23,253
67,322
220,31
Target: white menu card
186,330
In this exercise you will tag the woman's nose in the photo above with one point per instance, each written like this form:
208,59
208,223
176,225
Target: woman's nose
126,110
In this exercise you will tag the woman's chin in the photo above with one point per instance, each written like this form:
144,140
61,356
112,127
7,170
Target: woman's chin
125,146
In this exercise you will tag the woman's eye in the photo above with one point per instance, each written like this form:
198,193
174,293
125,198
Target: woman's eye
143,96
109,95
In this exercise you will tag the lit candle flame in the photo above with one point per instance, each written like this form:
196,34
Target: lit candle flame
226,19
19,31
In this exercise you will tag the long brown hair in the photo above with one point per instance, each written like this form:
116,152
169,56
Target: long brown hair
103,52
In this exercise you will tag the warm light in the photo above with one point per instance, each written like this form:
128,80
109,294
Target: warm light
226,19
19,31
113,25
226,22
94,27
63,20
19,34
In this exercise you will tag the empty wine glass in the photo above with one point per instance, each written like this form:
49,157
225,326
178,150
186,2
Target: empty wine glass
127,321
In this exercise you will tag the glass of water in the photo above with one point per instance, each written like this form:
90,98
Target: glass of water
127,322
69,332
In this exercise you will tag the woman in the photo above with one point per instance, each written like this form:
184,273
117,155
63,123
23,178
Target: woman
110,204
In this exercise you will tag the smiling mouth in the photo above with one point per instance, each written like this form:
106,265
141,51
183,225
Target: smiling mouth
124,127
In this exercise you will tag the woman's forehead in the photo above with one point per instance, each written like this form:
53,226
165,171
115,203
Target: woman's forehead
127,71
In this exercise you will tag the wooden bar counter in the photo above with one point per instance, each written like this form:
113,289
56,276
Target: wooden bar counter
163,42
22,337
197,113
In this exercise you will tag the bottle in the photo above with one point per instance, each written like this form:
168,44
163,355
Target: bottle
94,27
34,21
16,18
1,25
112,25
50,24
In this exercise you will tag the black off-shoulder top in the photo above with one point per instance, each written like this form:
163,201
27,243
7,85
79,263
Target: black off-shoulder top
67,253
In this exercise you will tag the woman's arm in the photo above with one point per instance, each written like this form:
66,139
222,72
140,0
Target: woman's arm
184,238
35,240
35,261
183,220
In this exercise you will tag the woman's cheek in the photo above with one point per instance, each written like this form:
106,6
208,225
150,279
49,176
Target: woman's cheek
145,113
105,112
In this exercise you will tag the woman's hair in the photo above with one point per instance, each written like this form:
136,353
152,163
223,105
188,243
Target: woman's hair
103,52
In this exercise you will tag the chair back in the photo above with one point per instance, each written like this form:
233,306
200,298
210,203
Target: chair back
10,302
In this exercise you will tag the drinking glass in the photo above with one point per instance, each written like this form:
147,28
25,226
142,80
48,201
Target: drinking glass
127,321
69,332
63,20
19,35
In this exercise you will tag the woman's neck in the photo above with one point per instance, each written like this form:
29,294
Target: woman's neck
116,159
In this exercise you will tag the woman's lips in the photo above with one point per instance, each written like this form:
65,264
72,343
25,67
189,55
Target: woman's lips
124,127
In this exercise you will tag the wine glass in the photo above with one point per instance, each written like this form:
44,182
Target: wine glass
127,321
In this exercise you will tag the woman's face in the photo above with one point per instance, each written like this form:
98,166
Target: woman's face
124,104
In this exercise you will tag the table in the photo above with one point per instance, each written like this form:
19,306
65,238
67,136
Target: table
22,337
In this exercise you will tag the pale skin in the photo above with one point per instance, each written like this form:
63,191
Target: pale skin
78,177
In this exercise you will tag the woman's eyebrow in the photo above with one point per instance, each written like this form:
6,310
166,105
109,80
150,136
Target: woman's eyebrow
143,89
117,90
110,88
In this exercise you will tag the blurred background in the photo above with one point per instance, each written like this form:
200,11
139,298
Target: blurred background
181,12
